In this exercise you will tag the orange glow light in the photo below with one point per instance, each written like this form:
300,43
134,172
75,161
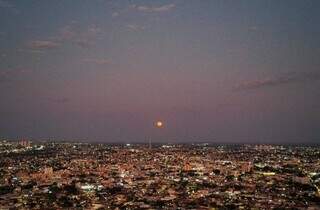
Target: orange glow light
159,124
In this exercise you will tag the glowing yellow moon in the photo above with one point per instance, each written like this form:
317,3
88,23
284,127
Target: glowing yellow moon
159,124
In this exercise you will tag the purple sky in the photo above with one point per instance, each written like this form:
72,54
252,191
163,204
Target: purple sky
211,70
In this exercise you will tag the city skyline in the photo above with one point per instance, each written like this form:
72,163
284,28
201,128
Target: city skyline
217,71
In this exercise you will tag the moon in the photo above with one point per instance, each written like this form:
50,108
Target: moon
159,124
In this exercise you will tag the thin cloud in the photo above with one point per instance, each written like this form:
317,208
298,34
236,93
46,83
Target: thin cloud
134,27
42,44
115,14
253,28
277,81
163,8
30,51
101,61
8,5
84,38
83,43
67,33
5,76
9,75
93,30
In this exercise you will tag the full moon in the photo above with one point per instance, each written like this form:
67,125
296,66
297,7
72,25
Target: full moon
159,124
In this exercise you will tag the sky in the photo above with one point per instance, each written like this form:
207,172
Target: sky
220,71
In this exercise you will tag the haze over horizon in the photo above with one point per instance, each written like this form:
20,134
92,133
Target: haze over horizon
106,70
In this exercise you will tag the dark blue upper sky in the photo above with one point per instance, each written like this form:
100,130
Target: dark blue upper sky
212,70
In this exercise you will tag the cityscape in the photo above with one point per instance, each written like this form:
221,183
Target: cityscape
56,175
159,104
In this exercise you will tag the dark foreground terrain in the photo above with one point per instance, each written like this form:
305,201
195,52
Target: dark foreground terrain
199,176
